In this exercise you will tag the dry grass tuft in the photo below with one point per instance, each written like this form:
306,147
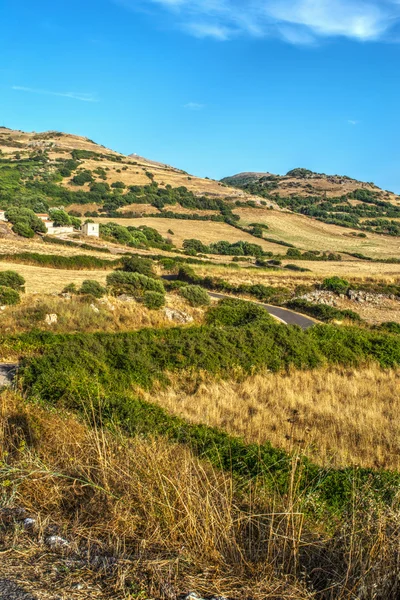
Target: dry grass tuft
336,416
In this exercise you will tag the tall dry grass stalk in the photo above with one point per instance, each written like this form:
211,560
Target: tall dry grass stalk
337,416
168,523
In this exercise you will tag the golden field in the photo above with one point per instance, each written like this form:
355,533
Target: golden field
336,416
310,234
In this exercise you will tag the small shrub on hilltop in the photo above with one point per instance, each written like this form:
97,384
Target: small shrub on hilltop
8,296
195,295
13,280
336,284
70,289
93,288
134,284
153,300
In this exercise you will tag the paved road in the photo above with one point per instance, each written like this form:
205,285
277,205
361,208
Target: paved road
285,315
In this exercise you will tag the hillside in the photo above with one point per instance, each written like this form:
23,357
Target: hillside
333,199
57,149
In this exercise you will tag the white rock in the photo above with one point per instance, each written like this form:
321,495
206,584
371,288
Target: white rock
51,319
177,316
94,308
55,541
29,523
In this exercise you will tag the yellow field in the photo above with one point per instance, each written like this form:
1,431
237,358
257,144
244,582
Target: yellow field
337,416
206,231
310,234
43,280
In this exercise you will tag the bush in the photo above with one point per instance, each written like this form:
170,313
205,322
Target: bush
236,313
70,289
12,280
336,284
9,296
134,284
195,295
136,264
92,288
153,300
23,230
323,312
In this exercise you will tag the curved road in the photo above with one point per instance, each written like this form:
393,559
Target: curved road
286,316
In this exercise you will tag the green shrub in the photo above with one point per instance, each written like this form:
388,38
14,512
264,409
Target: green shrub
236,313
323,312
390,326
70,289
23,230
91,287
133,284
195,295
153,300
9,296
12,280
57,261
336,284
136,264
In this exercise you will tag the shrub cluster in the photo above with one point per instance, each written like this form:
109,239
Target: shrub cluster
323,312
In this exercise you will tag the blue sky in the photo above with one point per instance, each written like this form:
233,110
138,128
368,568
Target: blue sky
212,86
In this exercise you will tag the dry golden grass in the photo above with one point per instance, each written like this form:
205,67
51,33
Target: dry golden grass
357,271
90,315
206,231
146,519
172,523
310,234
44,280
337,416
16,245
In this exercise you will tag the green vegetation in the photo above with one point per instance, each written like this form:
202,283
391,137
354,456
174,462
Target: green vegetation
9,296
25,222
56,261
323,312
274,295
153,300
13,280
336,284
93,288
102,370
195,295
134,237
133,284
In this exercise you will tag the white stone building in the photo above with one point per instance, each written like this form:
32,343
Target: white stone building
91,229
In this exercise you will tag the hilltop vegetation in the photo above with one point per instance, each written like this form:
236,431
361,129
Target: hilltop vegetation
331,199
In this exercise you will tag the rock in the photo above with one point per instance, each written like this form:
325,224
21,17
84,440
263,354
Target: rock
55,541
7,374
66,296
51,319
29,523
94,308
177,316
3,307
126,298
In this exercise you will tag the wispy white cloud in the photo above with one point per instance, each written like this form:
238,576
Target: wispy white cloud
194,106
74,95
352,122
295,21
